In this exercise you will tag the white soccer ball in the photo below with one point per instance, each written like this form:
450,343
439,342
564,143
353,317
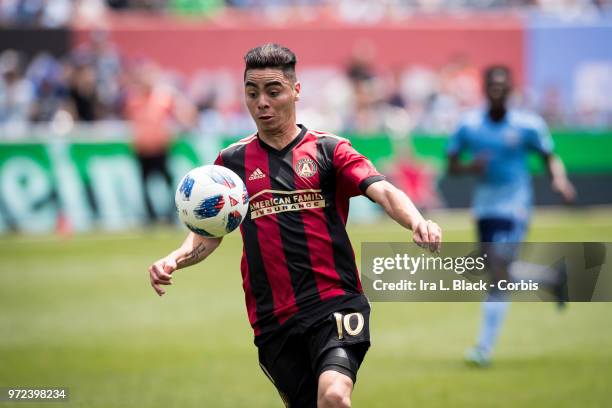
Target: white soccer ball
211,200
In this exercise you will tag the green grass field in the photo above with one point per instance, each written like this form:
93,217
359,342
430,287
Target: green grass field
80,313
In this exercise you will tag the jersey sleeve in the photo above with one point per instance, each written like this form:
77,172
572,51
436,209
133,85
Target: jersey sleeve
456,142
539,138
219,160
354,172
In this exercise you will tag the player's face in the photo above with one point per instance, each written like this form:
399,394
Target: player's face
498,89
270,97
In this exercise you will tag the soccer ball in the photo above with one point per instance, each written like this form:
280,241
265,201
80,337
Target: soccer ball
211,200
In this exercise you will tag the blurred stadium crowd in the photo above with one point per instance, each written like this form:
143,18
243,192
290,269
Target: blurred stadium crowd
95,84
58,13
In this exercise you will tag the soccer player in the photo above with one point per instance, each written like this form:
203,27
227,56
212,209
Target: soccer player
302,288
499,140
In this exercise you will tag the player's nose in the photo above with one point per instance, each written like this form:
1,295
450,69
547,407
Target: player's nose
262,103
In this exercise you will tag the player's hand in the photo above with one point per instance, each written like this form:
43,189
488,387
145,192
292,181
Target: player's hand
564,187
479,165
428,235
161,273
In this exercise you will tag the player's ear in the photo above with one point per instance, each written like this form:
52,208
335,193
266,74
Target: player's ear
297,87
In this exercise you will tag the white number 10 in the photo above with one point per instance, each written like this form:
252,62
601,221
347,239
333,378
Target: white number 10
343,323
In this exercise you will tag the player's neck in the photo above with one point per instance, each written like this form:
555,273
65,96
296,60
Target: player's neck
497,113
281,137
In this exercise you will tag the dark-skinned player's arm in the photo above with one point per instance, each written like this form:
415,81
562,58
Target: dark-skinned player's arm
194,249
458,167
425,233
540,141
558,177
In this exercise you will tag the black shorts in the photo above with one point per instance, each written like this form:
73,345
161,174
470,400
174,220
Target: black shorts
500,240
502,230
294,361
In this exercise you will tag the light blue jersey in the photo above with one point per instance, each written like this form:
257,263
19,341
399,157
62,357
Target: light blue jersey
504,190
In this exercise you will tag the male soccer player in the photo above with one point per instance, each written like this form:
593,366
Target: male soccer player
302,289
499,140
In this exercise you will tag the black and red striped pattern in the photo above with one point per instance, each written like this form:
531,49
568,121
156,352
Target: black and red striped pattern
297,255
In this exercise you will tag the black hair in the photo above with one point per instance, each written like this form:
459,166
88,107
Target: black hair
497,70
271,56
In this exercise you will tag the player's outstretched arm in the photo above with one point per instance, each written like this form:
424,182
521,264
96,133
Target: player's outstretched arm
558,176
194,249
397,205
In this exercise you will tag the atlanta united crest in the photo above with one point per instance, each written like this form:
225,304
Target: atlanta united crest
306,167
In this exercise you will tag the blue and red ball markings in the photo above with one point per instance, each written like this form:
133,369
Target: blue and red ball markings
221,178
233,221
186,187
245,196
209,207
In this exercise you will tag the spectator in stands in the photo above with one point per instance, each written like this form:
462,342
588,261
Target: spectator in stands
551,107
414,177
43,13
16,94
58,13
352,99
46,74
154,108
395,96
367,93
461,79
82,89
107,65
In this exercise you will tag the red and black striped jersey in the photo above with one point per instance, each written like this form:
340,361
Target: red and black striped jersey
297,256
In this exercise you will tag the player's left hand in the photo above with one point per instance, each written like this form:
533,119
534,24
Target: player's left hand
428,235
564,187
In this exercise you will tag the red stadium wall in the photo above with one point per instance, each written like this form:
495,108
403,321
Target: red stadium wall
188,46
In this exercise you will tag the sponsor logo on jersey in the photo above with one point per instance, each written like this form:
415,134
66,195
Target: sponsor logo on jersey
283,201
512,137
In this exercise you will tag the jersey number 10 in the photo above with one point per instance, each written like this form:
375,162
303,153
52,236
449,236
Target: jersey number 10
343,323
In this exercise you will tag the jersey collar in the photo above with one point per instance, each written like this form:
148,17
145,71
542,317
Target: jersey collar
290,146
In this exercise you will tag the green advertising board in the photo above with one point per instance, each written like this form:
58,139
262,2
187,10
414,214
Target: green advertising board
85,184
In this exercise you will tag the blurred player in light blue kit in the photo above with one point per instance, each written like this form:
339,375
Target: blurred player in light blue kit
498,140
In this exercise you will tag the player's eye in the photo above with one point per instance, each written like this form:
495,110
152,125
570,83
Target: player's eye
274,93
252,94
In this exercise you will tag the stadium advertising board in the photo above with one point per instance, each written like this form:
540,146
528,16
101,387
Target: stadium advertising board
81,184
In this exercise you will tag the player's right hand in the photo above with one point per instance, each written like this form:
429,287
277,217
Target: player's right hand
427,234
478,166
161,274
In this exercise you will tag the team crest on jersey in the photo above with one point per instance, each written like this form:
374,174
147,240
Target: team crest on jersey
512,137
306,167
